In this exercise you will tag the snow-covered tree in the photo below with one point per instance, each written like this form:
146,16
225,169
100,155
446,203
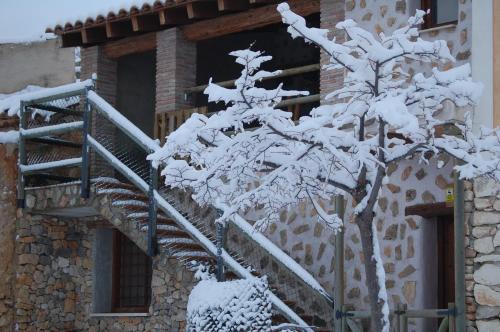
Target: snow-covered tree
252,154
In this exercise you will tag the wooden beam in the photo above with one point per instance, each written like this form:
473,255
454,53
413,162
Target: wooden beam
130,45
71,39
173,16
251,19
254,2
232,5
202,10
429,210
143,23
118,29
94,35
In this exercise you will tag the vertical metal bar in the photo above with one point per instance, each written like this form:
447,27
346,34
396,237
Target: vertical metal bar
22,157
85,176
459,234
452,321
153,210
339,268
343,325
397,314
221,231
403,318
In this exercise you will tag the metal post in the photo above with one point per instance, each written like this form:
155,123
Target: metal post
459,233
153,210
343,322
22,157
221,235
452,321
403,319
85,176
339,269
397,320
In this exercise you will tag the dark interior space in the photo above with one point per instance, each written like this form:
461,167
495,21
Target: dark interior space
136,89
136,100
215,62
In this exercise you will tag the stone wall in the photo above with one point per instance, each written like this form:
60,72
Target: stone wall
406,242
483,255
54,281
387,15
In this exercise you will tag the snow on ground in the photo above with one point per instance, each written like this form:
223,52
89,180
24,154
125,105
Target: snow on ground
9,103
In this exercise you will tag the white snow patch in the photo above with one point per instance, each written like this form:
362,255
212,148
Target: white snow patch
11,137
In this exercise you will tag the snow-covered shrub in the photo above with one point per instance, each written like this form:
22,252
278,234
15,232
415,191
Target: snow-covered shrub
231,306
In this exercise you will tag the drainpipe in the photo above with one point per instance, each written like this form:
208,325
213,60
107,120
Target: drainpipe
459,223
338,296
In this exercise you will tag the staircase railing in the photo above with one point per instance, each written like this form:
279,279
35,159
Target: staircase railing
94,144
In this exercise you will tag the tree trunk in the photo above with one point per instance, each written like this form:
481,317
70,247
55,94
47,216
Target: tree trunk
364,222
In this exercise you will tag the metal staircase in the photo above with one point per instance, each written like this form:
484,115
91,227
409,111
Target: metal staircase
107,154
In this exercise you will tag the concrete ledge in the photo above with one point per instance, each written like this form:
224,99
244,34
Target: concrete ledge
120,314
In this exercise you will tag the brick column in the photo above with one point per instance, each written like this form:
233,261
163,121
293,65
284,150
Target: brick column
175,69
8,176
332,12
95,61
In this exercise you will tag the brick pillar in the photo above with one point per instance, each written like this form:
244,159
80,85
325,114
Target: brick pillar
8,176
95,61
332,12
175,69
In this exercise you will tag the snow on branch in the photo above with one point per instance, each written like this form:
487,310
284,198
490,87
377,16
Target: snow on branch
252,154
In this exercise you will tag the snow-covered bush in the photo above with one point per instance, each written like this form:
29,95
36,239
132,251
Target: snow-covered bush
230,306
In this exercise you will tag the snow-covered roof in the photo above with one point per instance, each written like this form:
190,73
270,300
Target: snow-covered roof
28,39
119,18
109,10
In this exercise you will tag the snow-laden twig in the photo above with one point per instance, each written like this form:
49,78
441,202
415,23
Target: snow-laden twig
333,151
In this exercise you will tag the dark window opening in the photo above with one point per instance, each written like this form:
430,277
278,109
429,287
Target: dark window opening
214,61
131,276
442,12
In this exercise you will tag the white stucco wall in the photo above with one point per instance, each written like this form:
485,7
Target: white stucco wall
482,59
41,63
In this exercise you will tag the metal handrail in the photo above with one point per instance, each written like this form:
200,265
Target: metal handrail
147,144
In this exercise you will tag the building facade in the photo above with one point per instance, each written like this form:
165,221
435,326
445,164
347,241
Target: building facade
151,63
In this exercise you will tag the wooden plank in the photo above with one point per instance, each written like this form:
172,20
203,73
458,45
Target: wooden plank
118,29
202,10
94,35
429,210
71,39
173,16
144,23
251,19
130,45
232,5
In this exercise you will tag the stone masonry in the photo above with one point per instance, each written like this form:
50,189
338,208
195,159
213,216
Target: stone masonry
483,255
54,280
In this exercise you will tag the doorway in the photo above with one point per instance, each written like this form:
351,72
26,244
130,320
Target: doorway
446,261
